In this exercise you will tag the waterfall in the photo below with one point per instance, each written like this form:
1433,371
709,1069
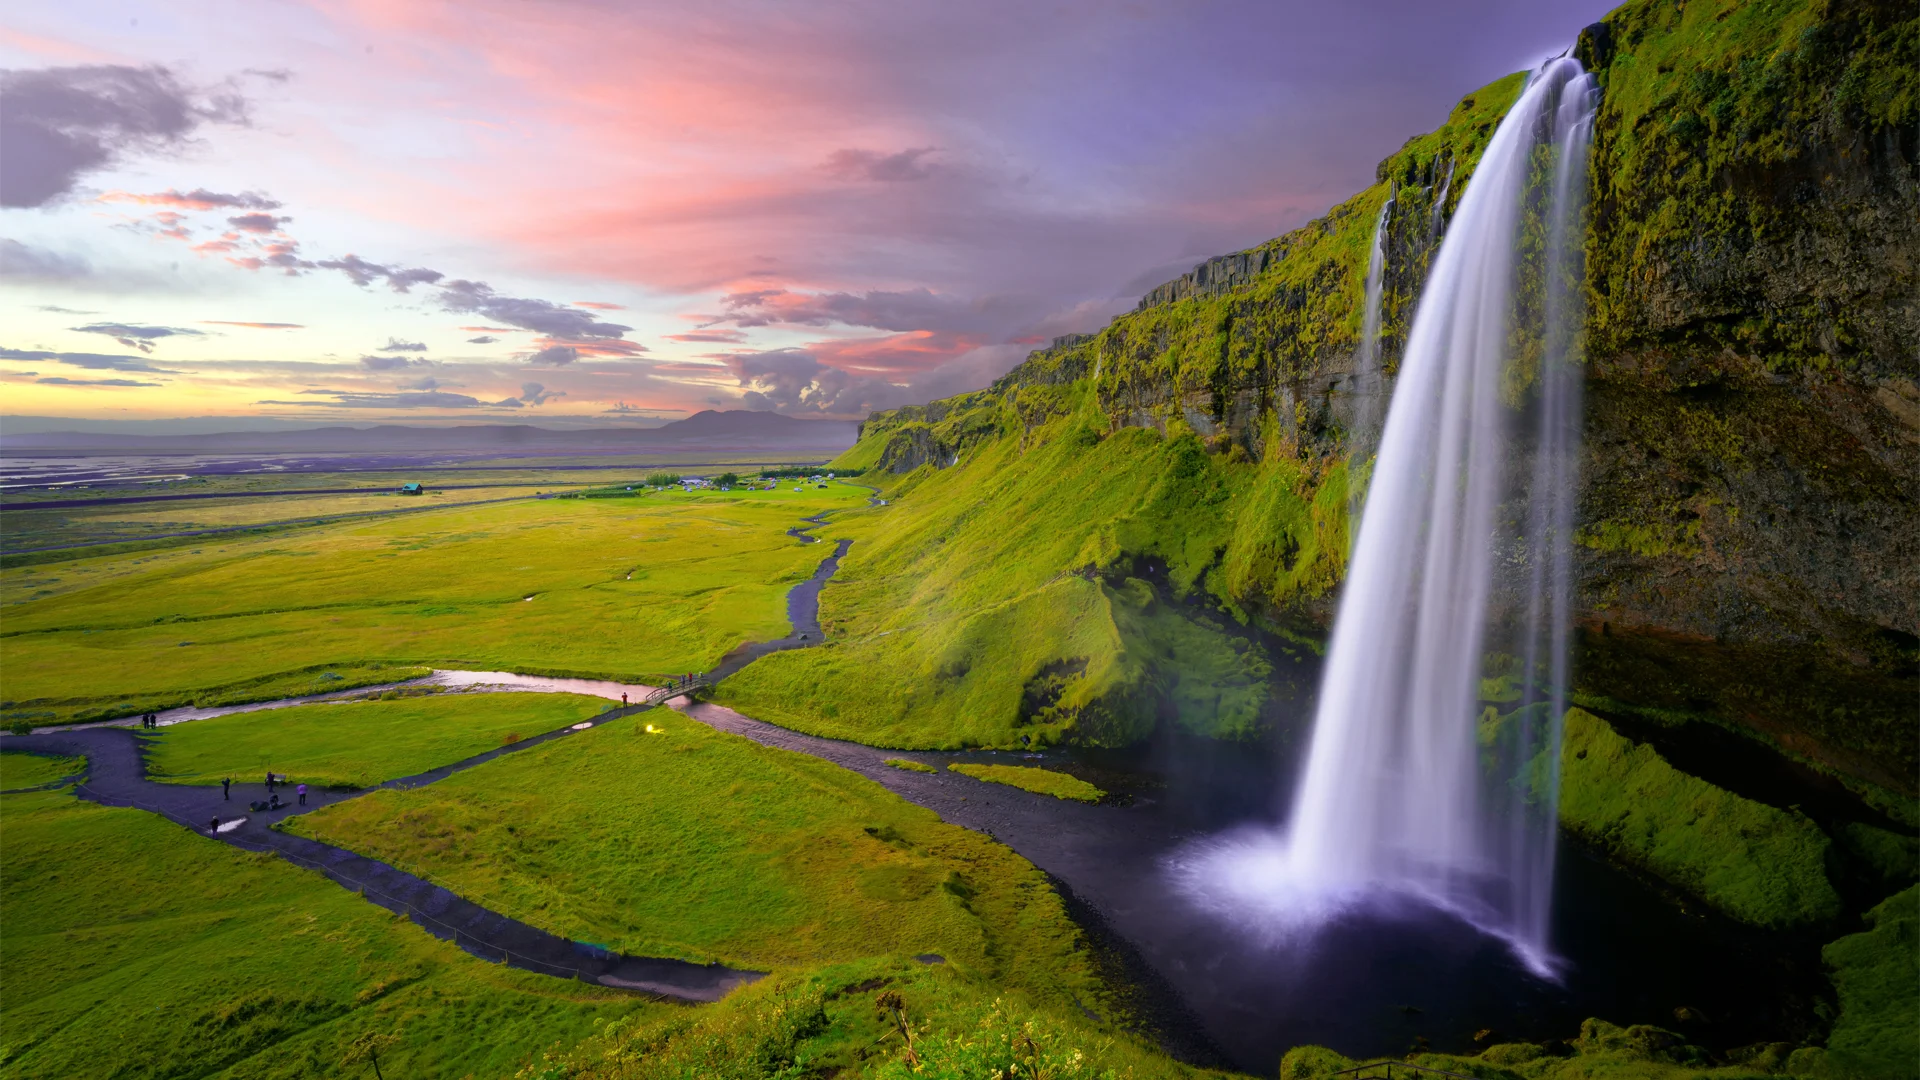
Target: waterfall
1440,201
1407,790
1366,361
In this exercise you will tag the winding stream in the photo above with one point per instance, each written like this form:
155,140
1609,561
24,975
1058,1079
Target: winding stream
1372,983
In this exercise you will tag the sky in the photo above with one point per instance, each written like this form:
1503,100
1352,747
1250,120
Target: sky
624,211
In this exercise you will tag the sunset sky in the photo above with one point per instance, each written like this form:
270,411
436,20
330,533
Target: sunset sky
633,211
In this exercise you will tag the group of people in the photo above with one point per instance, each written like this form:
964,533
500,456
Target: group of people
150,720
271,802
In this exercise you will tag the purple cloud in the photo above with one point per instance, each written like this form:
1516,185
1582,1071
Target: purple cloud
258,223
364,273
61,123
887,168
57,381
386,363
136,337
90,361
554,356
543,316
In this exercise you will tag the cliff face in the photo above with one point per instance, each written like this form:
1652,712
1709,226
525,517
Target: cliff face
1750,539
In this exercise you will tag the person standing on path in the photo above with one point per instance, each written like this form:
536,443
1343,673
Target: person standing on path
623,699
302,790
269,779
214,829
226,788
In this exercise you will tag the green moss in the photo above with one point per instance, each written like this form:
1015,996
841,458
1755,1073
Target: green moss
911,766
1758,864
1893,858
1720,125
1039,781
1877,975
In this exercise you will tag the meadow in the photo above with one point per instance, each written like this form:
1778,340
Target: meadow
31,770
692,843
28,530
358,743
137,948
632,588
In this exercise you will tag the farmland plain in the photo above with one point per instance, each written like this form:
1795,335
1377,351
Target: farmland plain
634,587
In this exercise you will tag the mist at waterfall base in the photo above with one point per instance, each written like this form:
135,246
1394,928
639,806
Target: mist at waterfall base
1415,799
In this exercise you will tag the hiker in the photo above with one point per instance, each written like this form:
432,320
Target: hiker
623,699
302,789
226,788
214,829
269,779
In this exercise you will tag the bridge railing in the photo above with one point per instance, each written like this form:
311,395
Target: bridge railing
664,694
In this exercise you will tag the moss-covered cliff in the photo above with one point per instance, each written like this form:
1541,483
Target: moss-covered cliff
1749,553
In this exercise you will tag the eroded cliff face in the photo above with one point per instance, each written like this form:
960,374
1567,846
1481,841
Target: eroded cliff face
1750,538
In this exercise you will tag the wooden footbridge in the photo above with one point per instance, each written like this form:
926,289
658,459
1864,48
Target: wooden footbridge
686,687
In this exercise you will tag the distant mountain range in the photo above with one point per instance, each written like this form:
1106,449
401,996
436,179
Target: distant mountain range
710,430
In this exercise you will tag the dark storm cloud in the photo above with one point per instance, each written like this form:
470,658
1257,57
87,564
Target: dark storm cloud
258,223
91,361
543,316
136,337
396,345
61,123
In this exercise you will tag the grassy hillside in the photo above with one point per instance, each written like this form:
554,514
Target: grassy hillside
1065,579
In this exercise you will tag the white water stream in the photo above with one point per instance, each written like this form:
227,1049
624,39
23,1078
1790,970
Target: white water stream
1406,795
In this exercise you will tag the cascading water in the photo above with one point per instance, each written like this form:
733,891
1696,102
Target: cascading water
1366,361
1440,203
1408,789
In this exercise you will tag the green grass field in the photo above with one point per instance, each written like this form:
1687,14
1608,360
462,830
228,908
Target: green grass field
1039,781
847,1020
707,846
357,743
18,770
136,948
628,588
